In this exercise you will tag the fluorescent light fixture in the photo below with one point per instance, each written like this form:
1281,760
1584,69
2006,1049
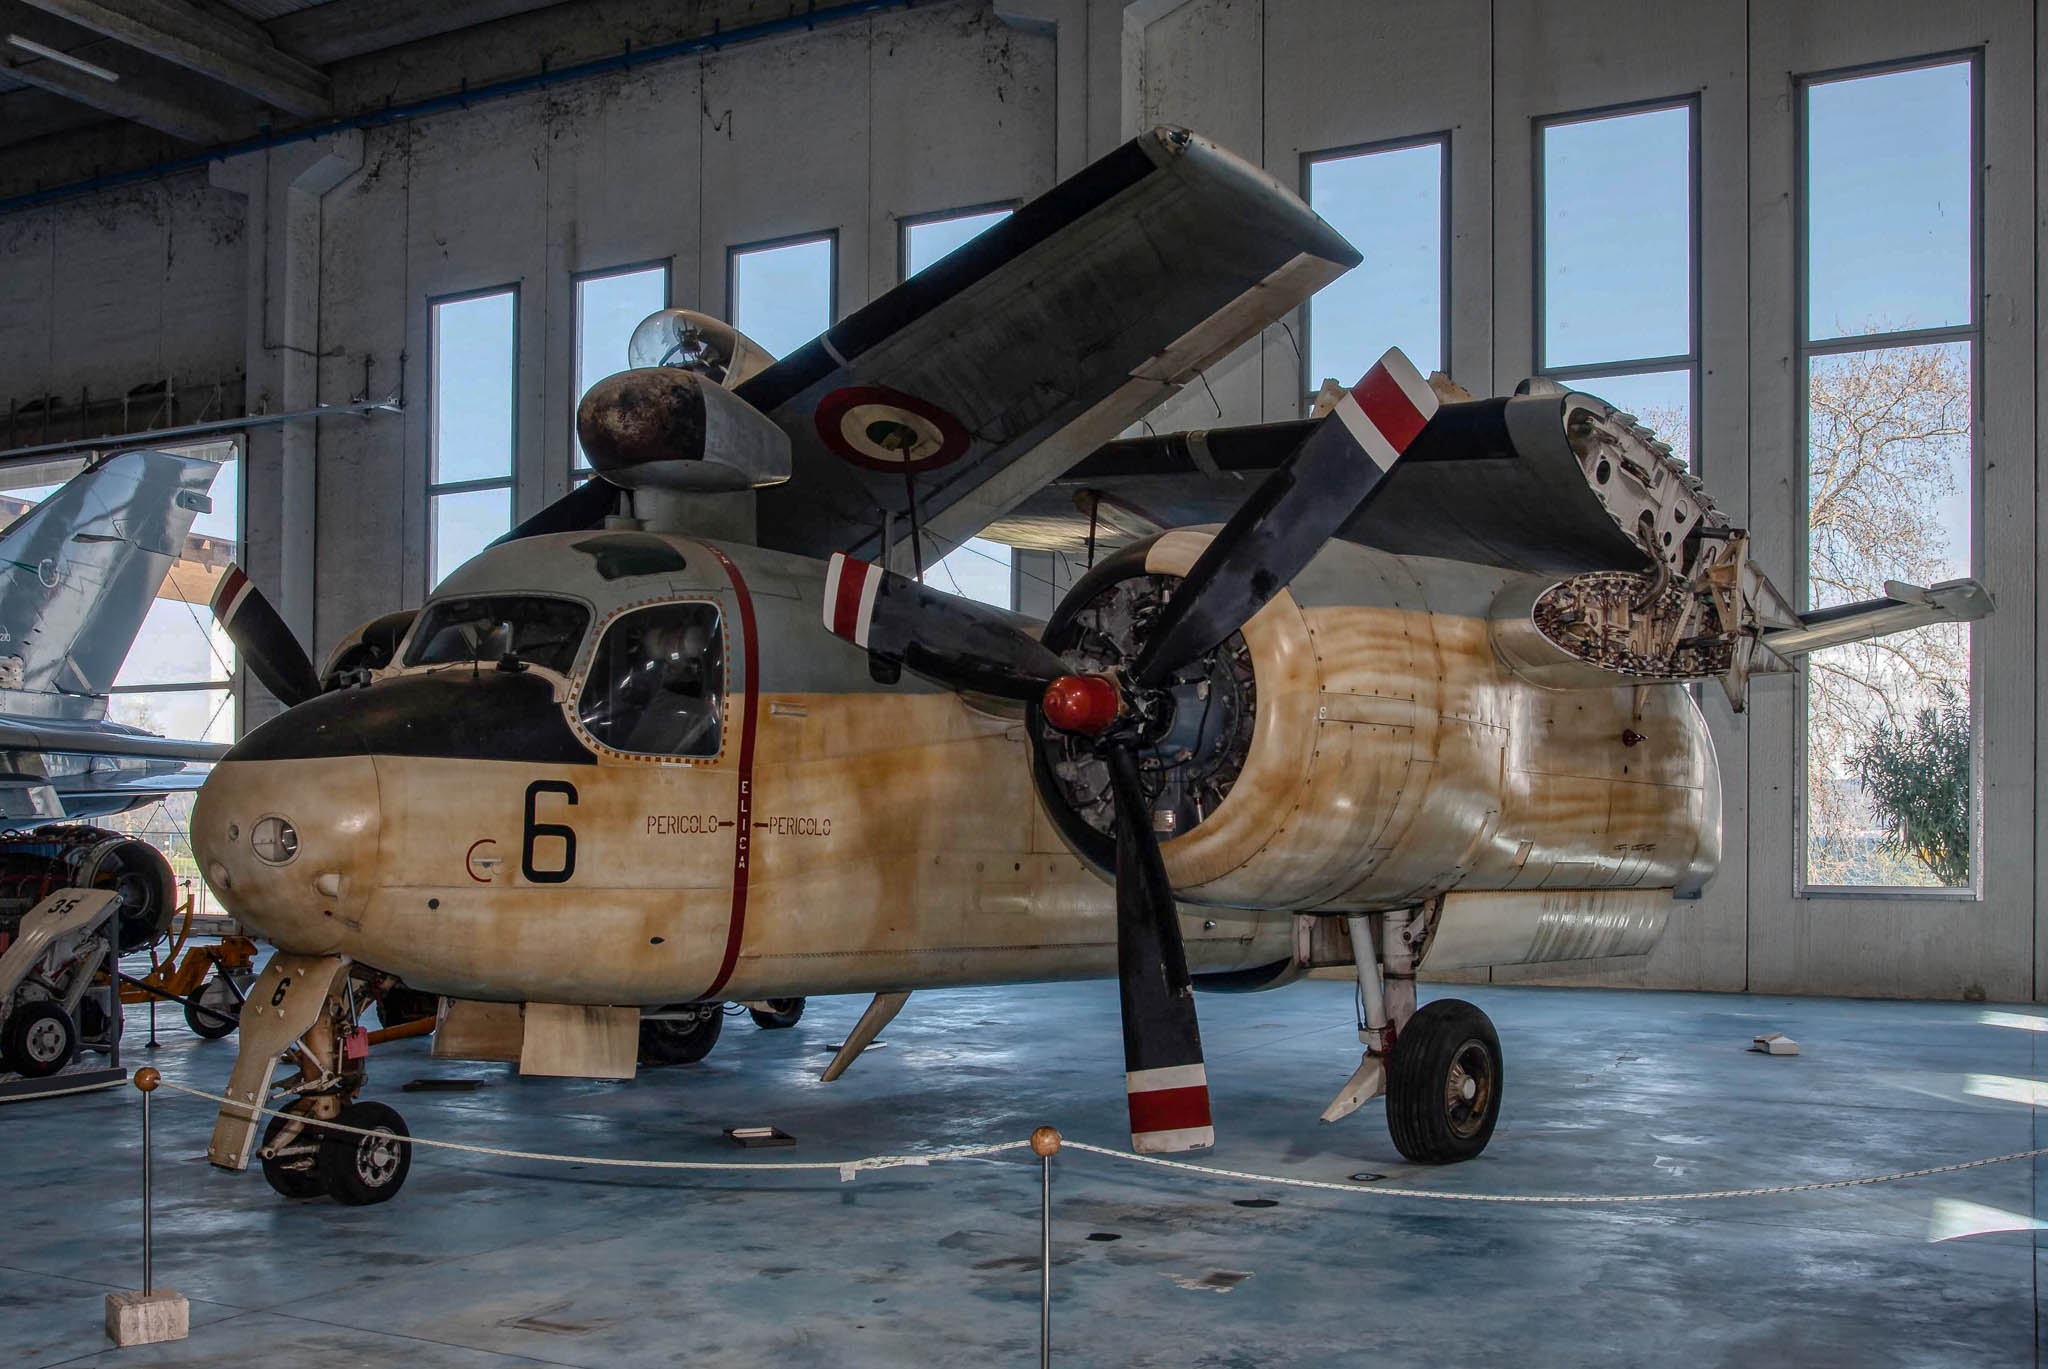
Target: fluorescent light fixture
62,59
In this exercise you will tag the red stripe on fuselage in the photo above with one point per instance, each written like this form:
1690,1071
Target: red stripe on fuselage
1170,1109
1388,408
743,824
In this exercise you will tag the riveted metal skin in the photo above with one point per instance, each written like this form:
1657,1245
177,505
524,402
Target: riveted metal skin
896,837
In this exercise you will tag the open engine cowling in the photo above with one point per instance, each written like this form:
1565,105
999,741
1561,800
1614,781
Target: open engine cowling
34,865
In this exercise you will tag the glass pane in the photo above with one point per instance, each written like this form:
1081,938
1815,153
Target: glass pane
24,487
782,296
1617,238
465,523
976,569
179,641
473,386
188,714
657,683
1888,721
538,630
608,309
1390,206
924,243
1660,400
1889,177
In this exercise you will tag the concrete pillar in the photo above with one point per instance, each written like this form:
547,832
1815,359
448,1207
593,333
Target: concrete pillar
284,186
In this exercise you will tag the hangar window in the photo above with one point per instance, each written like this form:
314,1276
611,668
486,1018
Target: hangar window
1617,225
657,682
781,292
609,306
1891,217
1391,201
928,237
177,677
472,367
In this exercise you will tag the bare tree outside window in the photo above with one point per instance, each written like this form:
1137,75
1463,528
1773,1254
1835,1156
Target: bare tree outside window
1887,462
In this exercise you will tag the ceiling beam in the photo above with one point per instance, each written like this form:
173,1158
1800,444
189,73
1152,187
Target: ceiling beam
142,101
340,29
194,39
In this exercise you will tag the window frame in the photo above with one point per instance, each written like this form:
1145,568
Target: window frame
734,251
907,222
1691,360
1804,351
233,684
577,280
586,663
1308,383
510,481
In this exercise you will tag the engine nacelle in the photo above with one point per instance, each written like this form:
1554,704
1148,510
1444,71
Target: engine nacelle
1359,746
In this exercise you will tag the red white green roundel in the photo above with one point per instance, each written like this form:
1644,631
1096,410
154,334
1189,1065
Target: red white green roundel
888,430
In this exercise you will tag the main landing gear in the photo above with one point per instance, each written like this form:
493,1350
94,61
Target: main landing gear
684,1033
1439,1065
303,1012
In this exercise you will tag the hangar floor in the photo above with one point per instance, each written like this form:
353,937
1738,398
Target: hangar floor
484,1263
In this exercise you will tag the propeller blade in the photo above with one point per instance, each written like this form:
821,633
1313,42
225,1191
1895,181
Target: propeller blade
956,641
1166,1084
263,639
1296,509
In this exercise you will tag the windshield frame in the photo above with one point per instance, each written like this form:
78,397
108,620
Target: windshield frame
560,660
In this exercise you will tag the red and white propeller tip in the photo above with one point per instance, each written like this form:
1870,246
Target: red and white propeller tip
850,588
1388,408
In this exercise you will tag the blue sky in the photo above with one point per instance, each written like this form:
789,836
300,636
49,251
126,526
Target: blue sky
782,296
608,309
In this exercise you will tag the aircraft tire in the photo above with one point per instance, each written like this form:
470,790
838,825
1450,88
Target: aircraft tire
782,1012
39,1039
1444,1086
356,1170
217,1013
681,1043
292,1176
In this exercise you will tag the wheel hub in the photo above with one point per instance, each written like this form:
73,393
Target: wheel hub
45,1041
377,1157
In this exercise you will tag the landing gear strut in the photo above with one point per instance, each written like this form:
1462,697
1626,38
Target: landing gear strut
1439,1065
303,1012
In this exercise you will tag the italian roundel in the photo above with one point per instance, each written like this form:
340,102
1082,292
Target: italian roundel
888,430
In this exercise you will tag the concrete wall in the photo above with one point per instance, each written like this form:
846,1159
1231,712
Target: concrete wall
952,104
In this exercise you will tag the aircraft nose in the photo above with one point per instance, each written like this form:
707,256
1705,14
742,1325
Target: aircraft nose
290,847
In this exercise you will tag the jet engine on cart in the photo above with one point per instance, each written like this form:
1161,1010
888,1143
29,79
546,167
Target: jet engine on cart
47,1009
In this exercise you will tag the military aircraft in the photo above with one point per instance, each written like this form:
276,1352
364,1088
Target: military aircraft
78,573
686,737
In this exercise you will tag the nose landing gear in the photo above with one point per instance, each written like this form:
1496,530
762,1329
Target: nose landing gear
303,1011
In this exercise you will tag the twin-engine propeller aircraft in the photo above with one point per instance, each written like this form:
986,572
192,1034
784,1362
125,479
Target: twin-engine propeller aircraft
680,739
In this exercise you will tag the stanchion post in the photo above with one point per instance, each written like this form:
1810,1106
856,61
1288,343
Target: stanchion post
1045,1142
153,1314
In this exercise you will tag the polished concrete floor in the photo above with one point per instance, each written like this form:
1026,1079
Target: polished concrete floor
482,1262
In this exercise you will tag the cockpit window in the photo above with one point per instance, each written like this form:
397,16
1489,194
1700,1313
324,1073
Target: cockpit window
657,684
539,631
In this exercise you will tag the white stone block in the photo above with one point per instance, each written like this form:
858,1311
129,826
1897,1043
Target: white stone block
146,1318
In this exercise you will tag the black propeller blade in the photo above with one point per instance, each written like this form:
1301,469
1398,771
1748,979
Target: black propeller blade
1290,515
1165,1082
263,639
952,640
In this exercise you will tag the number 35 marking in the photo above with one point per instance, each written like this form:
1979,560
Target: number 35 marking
536,830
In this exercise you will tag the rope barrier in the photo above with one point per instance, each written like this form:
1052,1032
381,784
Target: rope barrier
1555,1199
850,1169
847,1169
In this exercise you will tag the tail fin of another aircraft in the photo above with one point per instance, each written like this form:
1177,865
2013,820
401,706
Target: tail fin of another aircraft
78,572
